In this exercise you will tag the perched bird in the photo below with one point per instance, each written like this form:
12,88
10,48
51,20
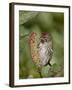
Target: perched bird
45,48
41,48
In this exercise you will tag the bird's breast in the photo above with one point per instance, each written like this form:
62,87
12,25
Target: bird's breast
43,52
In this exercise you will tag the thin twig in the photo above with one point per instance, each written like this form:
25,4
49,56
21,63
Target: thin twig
39,71
40,74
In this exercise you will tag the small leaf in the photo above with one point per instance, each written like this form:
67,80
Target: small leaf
45,71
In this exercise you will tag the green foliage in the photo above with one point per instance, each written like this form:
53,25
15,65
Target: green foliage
55,70
41,22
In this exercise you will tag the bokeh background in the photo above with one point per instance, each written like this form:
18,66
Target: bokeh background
52,22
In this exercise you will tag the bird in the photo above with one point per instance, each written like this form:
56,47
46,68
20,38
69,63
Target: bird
41,48
45,48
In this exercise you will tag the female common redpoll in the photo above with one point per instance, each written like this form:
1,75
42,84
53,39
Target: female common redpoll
41,48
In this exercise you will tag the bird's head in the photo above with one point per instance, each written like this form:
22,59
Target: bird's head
45,37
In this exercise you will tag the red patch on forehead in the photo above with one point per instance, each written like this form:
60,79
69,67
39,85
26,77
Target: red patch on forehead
44,34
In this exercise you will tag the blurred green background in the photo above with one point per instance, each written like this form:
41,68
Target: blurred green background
51,22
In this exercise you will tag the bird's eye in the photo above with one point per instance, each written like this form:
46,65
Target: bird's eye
42,41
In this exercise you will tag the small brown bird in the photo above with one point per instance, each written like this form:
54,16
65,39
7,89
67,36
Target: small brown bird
45,48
